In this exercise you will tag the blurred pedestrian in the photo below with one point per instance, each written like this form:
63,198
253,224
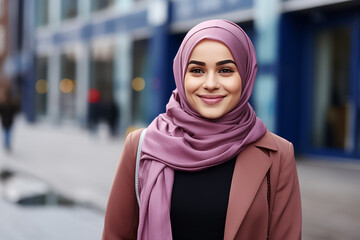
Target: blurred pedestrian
9,106
112,116
94,110
208,167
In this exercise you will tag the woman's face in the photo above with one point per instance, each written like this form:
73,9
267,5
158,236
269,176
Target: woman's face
212,81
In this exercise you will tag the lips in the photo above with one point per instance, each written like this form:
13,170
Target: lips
211,99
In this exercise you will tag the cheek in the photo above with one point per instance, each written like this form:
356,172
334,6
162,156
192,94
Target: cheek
189,85
188,88
235,87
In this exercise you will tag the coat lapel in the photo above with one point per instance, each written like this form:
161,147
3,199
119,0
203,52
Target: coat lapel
250,169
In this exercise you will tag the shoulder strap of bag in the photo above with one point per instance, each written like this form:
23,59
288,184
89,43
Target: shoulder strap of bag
268,198
138,155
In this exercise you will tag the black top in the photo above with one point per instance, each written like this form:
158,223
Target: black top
199,202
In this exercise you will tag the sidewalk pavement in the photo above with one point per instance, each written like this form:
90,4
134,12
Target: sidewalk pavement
73,162
81,167
48,223
330,195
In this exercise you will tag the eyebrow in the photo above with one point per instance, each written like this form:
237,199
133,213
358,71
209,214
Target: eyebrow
217,64
196,63
225,62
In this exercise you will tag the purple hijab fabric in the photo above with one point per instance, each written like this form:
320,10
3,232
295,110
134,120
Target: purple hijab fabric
181,139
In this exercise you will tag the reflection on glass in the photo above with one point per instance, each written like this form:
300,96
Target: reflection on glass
67,89
41,86
101,103
42,12
138,84
102,70
140,55
67,85
331,103
69,9
97,5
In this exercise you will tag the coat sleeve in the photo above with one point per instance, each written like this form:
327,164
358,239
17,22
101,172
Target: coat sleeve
286,217
121,217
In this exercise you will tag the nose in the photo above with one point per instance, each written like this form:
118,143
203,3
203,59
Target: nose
211,82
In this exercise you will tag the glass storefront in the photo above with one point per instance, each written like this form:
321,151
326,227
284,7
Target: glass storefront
102,71
98,5
41,86
42,13
139,63
67,86
101,103
331,113
69,9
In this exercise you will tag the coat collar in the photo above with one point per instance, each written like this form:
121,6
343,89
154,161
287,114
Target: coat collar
250,169
266,141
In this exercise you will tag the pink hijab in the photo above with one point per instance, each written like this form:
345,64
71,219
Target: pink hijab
181,139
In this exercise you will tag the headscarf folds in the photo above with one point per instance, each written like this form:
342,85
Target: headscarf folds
181,139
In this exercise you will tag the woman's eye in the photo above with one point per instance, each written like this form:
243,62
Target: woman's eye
226,70
196,70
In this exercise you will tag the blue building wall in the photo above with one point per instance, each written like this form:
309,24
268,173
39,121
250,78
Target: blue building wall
297,69
291,92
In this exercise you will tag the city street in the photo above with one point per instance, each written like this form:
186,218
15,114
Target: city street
48,223
81,167
330,199
79,71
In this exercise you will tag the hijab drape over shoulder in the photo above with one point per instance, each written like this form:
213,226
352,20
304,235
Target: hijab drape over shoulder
181,139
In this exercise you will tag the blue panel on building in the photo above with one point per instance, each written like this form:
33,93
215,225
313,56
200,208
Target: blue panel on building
86,32
136,20
67,36
119,24
190,9
44,41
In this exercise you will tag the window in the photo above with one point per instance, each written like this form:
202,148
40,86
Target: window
69,9
41,86
2,8
67,86
97,5
102,70
331,97
42,13
140,55
101,102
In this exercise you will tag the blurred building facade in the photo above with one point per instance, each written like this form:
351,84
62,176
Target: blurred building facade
308,52
8,49
4,81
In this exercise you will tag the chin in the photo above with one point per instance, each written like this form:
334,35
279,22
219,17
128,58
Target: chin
212,115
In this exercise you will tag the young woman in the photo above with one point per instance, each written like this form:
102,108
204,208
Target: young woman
209,168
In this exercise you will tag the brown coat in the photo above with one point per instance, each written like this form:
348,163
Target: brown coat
248,216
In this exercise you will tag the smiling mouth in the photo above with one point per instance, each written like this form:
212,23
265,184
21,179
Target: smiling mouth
211,99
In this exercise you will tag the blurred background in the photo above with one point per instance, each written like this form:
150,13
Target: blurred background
77,75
